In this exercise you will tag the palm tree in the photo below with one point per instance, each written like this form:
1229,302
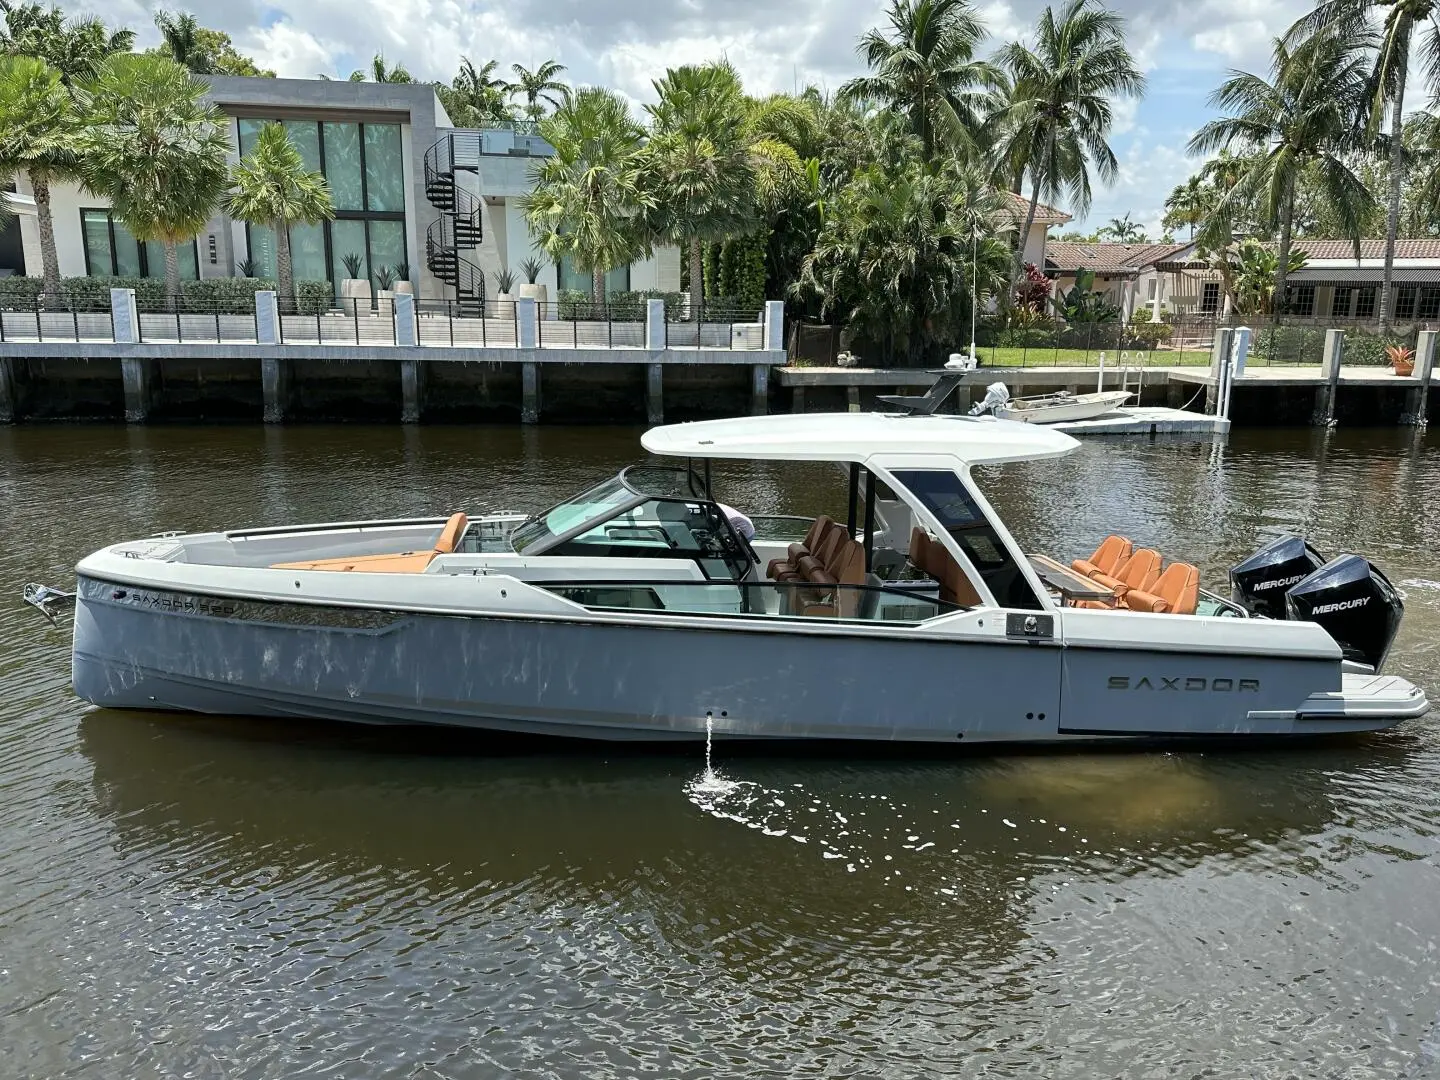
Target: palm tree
378,72
539,87
1124,231
699,161
925,69
1422,142
588,204
1301,119
270,186
38,139
1387,86
181,33
156,149
1055,127
1188,204
901,255
73,47
475,96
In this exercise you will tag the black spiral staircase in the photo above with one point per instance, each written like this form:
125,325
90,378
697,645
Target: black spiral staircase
457,230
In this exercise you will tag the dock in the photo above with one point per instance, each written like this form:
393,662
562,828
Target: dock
1147,420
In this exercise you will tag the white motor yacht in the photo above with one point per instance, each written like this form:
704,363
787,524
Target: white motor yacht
637,611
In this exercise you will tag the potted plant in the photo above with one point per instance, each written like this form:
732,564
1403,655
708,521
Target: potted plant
1402,359
354,288
504,282
531,269
402,278
385,295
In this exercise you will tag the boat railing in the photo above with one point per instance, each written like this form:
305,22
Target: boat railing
891,603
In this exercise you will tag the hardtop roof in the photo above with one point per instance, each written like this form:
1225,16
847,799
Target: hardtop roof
860,437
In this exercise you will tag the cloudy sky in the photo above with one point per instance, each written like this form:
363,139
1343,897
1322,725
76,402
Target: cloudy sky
1185,47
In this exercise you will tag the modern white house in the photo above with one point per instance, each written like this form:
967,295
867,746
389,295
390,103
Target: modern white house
409,190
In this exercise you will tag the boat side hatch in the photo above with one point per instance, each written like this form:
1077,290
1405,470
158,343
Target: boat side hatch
1029,627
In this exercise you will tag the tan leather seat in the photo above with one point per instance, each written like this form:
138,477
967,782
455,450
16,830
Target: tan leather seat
955,587
846,566
919,551
1176,591
820,555
813,536
1140,571
1107,558
403,562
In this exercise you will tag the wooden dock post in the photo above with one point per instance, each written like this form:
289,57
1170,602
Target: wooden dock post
1330,360
1417,403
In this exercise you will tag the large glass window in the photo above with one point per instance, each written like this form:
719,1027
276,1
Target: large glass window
384,170
364,169
1405,297
347,237
110,249
343,167
387,245
571,277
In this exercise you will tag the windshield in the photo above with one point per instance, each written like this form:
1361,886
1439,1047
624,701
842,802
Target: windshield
599,503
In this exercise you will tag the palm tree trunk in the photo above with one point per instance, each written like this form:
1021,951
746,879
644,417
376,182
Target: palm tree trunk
172,275
697,277
1019,267
1282,270
49,259
283,274
597,285
1397,184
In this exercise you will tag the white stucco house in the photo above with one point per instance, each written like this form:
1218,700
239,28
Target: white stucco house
409,190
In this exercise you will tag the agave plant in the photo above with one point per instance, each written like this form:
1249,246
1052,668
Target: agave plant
384,277
245,267
401,271
531,269
505,280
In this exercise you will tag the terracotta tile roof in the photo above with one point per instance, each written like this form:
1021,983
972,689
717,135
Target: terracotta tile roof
1107,258
1369,249
1044,215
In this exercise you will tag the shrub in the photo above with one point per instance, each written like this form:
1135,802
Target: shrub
314,297
1144,334
1290,344
20,293
225,296
1362,347
620,306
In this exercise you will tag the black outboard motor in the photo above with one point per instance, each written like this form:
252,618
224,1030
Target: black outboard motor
1355,603
1260,582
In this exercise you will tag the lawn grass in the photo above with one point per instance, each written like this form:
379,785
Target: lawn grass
1007,357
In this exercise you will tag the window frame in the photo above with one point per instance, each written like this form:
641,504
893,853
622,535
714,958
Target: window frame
1209,298
348,215
142,254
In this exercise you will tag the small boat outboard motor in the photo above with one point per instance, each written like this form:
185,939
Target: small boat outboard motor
1259,584
1355,603
1352,600
996,395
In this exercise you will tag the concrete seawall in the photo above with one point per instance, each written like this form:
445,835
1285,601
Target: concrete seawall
141,383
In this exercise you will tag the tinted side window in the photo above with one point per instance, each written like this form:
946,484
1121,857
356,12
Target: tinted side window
945,496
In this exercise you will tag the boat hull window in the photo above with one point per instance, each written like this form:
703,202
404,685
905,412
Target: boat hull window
944,494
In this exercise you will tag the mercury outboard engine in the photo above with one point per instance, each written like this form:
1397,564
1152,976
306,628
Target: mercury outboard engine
1355,603
996,395
1259,584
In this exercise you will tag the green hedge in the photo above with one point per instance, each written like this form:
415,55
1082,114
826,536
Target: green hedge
620,306
224,296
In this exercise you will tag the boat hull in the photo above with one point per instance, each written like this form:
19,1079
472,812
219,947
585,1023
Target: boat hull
1082,407
620,681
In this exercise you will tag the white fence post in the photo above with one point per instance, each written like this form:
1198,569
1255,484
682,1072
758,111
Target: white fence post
267,318
654,324
775,325
527,326
124,316
404,309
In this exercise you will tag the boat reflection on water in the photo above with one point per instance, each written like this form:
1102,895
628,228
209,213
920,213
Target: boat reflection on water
298,800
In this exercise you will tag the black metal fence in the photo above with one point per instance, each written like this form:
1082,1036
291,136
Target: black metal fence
487,324
1178,341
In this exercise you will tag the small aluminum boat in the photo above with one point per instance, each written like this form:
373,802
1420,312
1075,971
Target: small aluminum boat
1049,408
